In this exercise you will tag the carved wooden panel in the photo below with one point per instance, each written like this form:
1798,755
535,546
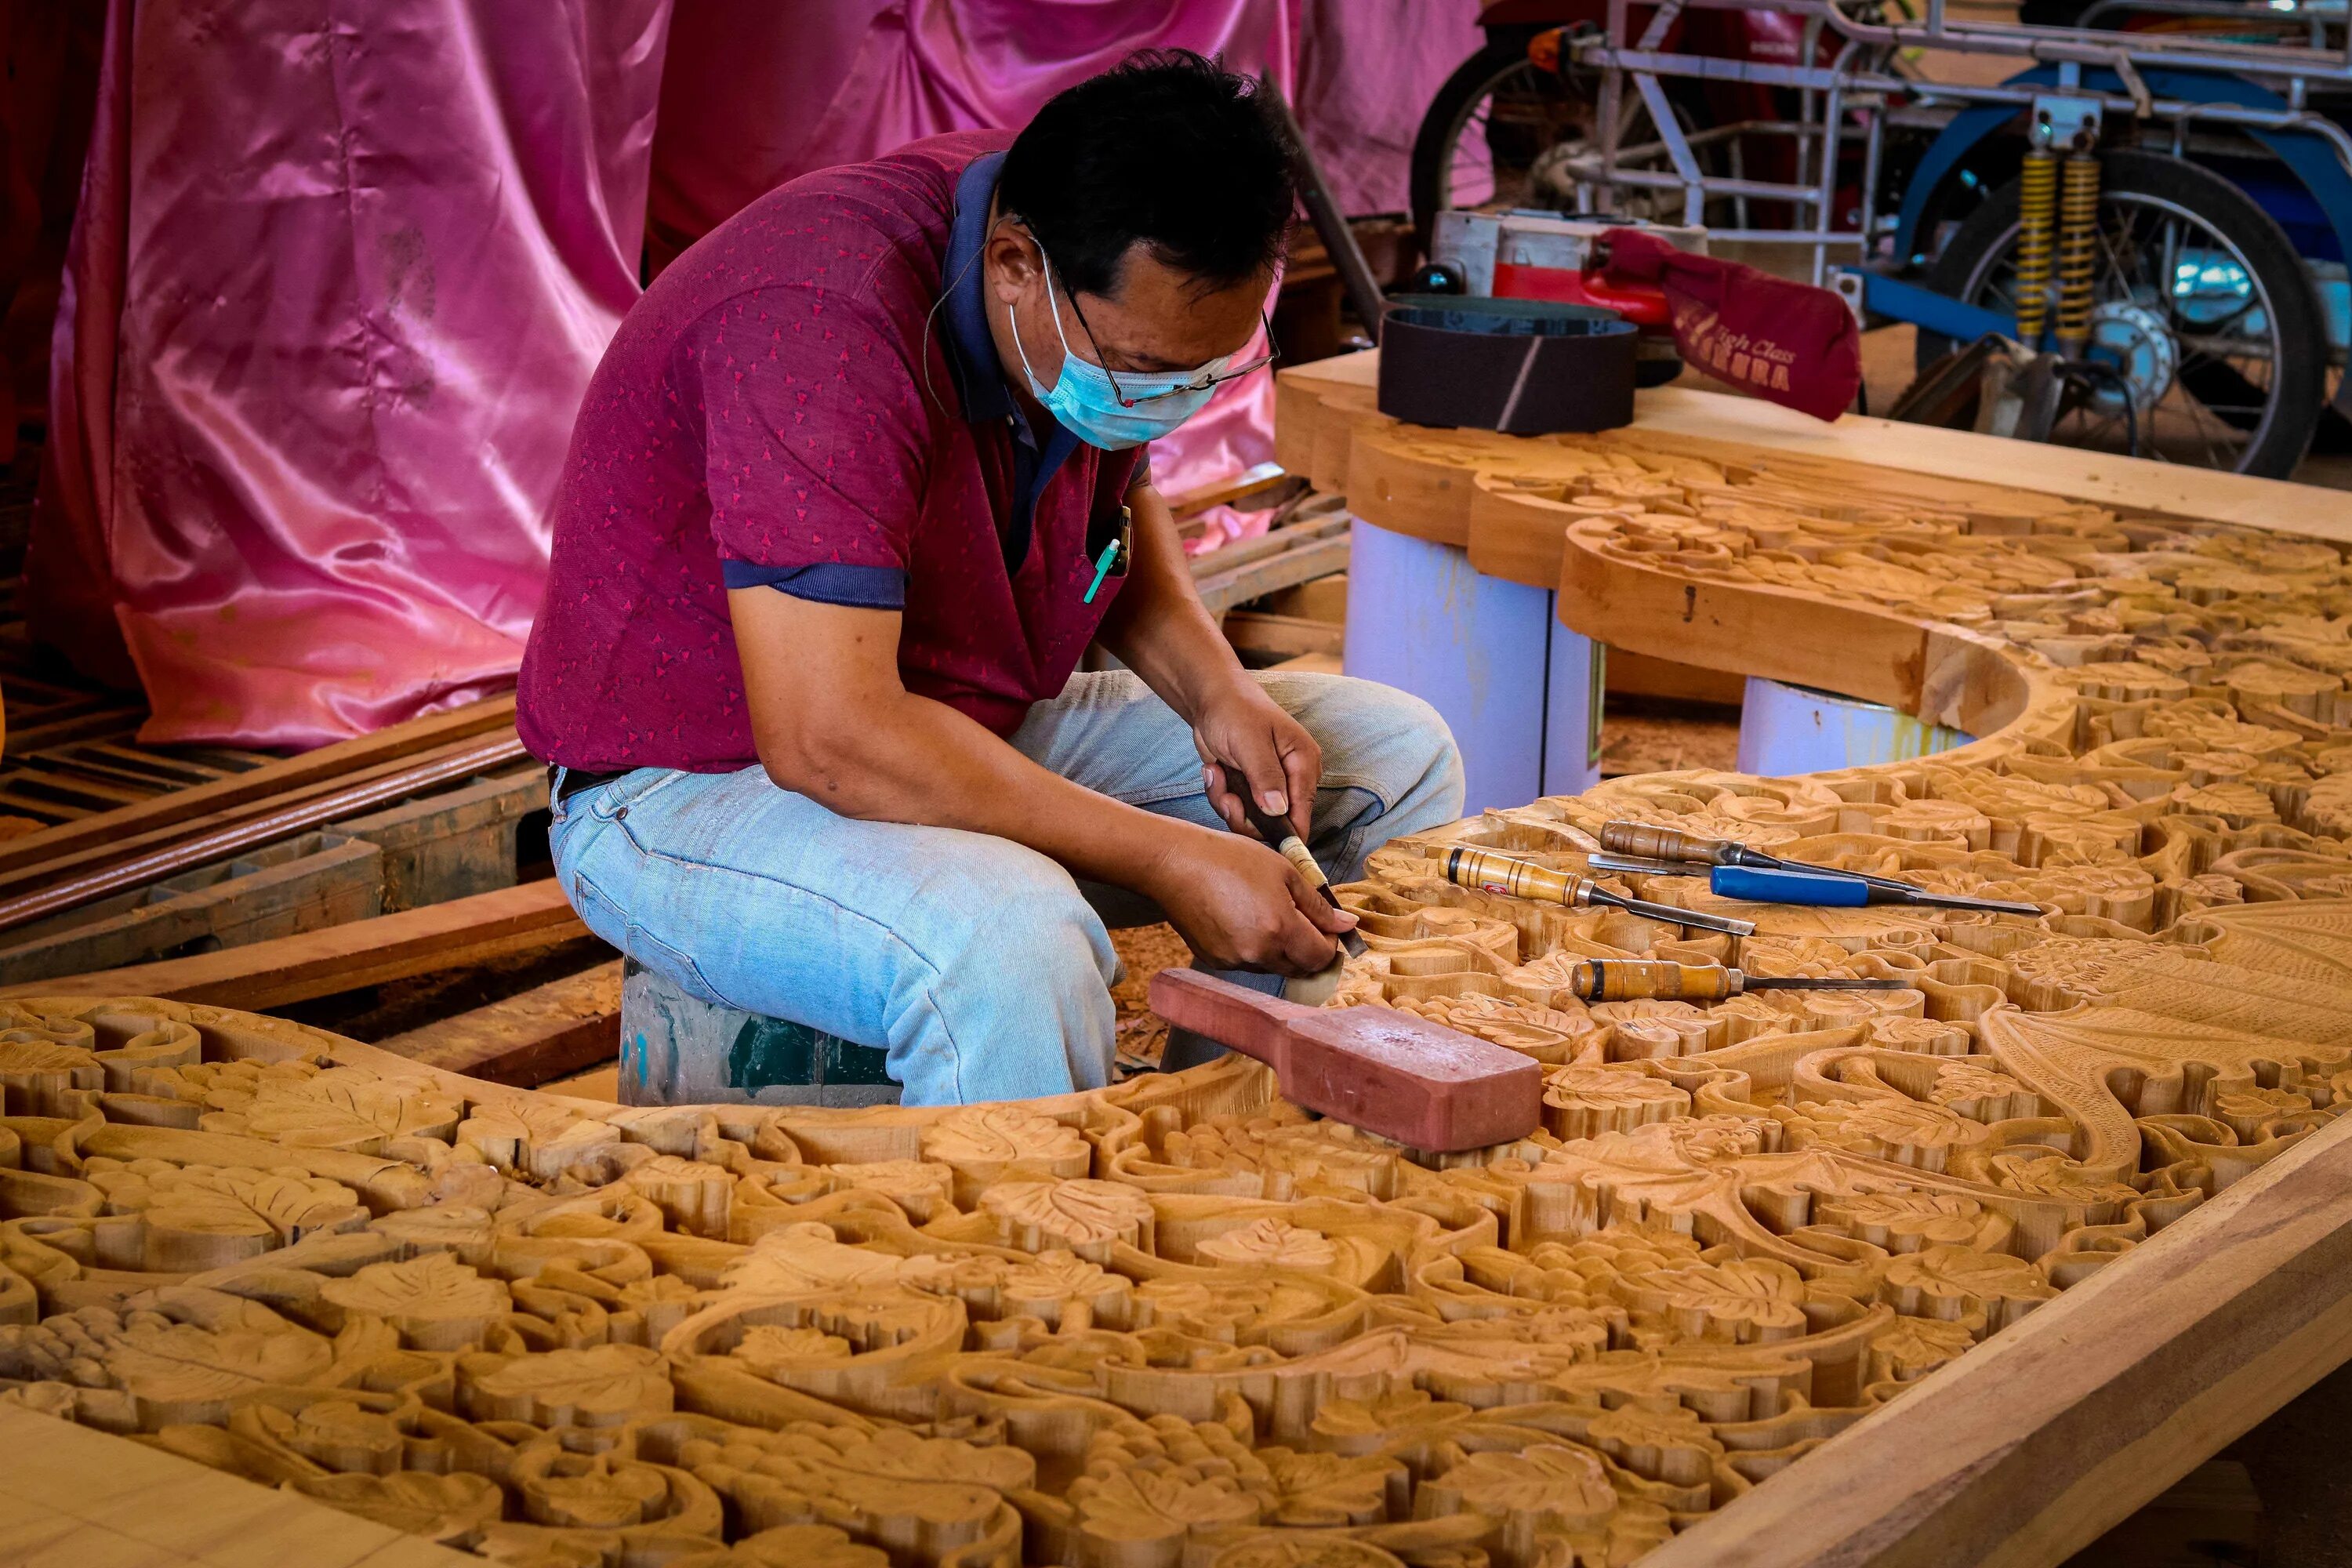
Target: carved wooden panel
1177,1322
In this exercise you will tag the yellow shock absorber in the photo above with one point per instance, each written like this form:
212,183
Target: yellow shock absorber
2037,217
2078,246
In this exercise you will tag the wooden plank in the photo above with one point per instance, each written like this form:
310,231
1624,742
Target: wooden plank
344,957
1254,481
1631,674
255,822
74,1498
326,762
1312,664
1284,636
565,1027
2036,1442
1318,405
317,879
1302,563
452,844
1323,599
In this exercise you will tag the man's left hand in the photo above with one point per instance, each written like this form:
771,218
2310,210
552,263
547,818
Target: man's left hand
1246,740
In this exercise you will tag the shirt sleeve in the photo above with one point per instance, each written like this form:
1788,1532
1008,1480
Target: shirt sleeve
815,440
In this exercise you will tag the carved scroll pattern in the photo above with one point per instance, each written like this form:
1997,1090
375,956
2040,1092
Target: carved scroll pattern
1177,1322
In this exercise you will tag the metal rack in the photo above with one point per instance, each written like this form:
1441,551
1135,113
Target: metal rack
1850,98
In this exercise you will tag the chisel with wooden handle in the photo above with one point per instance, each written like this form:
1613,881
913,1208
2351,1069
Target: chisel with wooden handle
1285,840
1492,873
1658,979
1667,851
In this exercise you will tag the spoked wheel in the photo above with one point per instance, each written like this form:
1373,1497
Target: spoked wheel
1499,122
2207,324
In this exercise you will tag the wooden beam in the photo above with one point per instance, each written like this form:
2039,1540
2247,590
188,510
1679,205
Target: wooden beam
1249,482
560,1028
342,958
344,757
2033,1445
1283,636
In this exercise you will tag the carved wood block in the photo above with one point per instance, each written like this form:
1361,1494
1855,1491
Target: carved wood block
1179,1322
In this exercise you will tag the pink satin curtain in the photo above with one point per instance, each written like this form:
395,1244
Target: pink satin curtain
341,272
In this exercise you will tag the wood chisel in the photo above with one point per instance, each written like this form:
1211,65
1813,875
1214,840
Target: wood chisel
1492,873
1835,889
1645,978
1667,851
1278,833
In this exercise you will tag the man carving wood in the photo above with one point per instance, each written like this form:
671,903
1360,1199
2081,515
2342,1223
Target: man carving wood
856,484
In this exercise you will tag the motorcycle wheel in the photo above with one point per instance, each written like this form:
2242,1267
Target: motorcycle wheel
2198,303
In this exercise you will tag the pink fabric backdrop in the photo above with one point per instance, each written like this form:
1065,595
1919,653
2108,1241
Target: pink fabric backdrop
341,272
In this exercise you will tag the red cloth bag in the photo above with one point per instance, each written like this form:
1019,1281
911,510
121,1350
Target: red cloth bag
1790,342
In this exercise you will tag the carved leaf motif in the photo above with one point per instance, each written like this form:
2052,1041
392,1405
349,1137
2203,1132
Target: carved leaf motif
1076,1213
798,1258
1323,1490
579,1387
431,1287
1000,1133
768,1346
1564,1483
436,1507
183,1364
345,1108
792,1546
1144,1505
287,1204
23,1053
1272,1244
1912,1347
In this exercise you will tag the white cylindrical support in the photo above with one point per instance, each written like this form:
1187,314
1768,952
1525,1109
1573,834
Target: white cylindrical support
1786,730
1519,690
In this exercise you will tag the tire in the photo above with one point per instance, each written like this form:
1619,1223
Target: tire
1433,144
2134,181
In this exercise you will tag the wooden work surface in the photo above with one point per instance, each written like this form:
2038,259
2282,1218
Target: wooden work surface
1316,401
1960,1272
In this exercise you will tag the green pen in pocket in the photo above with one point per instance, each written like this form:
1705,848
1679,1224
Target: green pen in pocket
1112,562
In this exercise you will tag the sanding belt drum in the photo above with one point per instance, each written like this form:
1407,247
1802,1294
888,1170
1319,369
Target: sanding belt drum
1525,367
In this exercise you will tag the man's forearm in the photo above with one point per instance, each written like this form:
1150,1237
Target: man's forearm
913,760
1159,628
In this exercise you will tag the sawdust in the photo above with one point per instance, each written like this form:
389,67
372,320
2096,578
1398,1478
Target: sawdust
1650,735
1145,951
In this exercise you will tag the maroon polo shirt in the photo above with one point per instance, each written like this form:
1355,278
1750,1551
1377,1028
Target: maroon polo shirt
808,400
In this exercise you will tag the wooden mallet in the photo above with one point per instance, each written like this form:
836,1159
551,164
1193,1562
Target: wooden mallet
1374,1067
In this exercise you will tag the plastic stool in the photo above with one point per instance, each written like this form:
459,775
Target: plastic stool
678,1049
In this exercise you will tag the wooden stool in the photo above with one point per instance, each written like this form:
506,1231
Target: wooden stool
677,1049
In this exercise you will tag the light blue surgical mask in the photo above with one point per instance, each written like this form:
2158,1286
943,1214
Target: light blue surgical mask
1088,403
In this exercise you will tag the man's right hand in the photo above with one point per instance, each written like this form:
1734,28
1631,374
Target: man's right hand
1242,906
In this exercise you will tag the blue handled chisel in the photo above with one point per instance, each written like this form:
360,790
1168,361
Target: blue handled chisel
1840,890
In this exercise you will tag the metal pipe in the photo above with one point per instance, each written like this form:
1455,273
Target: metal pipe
1364,294
448,767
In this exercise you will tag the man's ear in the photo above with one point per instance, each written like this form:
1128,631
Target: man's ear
1013,259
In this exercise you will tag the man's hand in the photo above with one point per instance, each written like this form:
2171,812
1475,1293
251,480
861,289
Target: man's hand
1242,906
1247,741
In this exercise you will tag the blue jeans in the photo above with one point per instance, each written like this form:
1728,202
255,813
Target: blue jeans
980,965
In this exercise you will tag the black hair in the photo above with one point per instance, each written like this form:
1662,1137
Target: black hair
1167,147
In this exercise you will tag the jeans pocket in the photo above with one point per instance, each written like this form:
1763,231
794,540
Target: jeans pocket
600,914
609,800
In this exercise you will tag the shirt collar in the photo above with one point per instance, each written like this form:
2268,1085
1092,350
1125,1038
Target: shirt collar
971,349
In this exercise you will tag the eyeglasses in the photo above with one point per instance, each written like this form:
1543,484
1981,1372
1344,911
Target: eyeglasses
1204,382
